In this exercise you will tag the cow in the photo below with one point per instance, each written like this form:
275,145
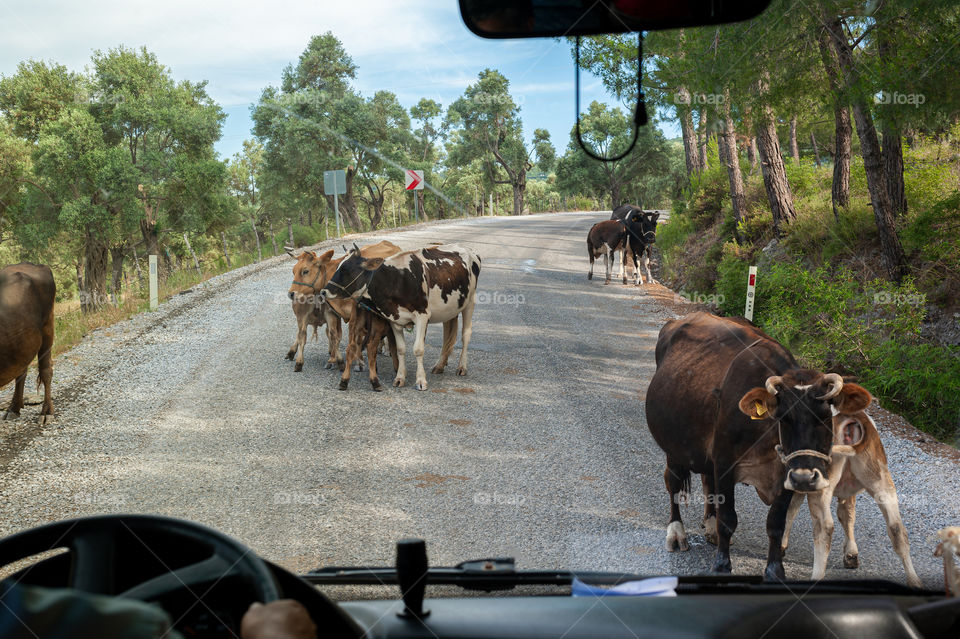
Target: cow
367,329
859,463
425,286
605,238
310,274
309,270
730,403
27,293
641,229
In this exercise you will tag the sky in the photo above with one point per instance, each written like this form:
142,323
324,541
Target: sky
415,50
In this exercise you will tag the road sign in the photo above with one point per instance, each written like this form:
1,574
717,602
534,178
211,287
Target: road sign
751,293
414,180
334,182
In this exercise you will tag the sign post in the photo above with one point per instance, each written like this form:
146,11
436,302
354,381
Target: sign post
414,182
154,293
751,293
335,183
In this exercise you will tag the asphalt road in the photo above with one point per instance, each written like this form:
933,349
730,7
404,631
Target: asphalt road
541,452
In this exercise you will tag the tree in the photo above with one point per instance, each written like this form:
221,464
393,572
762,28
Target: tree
489,128
544,151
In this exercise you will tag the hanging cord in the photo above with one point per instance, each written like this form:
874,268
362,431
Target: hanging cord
639,116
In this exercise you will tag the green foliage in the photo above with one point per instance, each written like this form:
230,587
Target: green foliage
934,232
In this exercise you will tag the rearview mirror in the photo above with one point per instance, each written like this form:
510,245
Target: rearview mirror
558,18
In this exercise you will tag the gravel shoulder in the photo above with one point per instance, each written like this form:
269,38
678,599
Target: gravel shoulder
541,452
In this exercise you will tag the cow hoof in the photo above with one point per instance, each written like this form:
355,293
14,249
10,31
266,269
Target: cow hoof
341,365
774,572
45,419
343,384
624,280
851,561
328,365
676,538
437,370
421,386
606,283
711,538
377,386
709,528
462,372
398,382
291,355
298,367
722,565
589,276
783,551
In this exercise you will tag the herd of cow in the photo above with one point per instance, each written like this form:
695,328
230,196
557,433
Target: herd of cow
726,402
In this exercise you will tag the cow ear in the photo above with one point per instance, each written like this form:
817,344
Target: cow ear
326,256
758,404
848,431
373,263
655,217
853,398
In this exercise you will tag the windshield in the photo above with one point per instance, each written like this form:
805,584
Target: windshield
318,280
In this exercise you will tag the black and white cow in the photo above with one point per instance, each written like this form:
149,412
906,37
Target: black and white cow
641,228
431,285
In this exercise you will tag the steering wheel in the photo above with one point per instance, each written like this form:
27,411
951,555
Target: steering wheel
97,546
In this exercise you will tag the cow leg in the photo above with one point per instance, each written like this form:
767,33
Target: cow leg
884,493
677,480
646,265
13,410
45,376
623,260
377,331
709,524
847,514
334,333
466,335
776,523
355,333
819,503
401,376
795,503
301,345
419,345
607,258
637,278
726,515
592,257
449,340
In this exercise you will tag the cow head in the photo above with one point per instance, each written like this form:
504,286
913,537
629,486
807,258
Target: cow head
352,277
803,404
643,224
309,276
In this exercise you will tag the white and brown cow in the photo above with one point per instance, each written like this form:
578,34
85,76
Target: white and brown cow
859,463
430,285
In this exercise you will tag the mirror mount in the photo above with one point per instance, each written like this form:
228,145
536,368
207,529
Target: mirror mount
639,115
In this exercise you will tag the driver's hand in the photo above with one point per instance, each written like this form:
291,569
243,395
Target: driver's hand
282,619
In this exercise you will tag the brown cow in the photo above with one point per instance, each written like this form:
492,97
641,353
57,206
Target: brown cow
730,403
27,293
606,238
367,330
859,463
308,310
311,273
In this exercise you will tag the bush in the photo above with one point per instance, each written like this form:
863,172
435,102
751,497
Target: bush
581,203
934,232
302,236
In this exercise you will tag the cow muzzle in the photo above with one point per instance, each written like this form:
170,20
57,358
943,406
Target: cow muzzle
805,480
291,294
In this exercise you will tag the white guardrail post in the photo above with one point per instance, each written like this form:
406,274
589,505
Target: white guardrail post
751,293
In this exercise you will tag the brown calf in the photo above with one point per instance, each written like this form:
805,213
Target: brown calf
859,463
605,238
367,330
27,293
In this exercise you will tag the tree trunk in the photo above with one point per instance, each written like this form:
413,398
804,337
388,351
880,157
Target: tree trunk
771,165
94,292
116,262
290,232
223,238
519,187
702,138
136,263
840,192
256,235
894,262
728,142
816,151
794,147
690,151
196,262
893,167
273,236
310,216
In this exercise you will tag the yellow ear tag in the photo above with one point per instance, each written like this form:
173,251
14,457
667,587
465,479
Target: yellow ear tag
760,408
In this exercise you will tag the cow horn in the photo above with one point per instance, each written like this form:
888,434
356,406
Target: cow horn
772,382
836,385
289,251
